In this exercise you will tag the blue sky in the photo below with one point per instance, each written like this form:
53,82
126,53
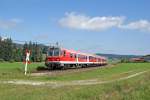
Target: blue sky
104,26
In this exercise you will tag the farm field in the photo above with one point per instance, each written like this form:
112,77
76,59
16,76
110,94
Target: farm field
112,83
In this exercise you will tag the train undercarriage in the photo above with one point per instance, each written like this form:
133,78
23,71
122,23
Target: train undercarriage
54,65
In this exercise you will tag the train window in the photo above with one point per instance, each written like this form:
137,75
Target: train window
71,55
50,53
64,53
56,52
53,52
90,57
99,59
85,57
75,56
82,57
79,56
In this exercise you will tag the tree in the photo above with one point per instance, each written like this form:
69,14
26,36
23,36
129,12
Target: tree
33,53
8,50
44,49
25,47
12,51
1,48
17,53
38,53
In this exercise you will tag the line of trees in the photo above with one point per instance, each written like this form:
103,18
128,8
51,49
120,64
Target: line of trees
10,51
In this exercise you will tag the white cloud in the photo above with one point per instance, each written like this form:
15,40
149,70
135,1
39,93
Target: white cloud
98,23
11,23
76,21
142,25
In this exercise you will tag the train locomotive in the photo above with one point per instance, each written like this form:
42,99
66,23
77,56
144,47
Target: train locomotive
61,58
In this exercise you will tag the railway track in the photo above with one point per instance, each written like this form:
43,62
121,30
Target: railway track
61,72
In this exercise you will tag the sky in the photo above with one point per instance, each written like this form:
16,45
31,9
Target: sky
92,26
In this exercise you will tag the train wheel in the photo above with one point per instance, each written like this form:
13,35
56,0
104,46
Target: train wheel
50,68
64,67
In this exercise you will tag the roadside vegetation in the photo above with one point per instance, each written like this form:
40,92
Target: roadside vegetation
136,88
16,71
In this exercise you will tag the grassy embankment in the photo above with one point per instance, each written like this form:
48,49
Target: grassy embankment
136,88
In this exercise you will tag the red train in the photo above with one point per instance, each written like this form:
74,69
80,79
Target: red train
63,58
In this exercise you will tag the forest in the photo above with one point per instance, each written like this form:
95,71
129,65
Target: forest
15,52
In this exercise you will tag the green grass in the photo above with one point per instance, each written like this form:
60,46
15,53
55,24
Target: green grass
15,71
136,88
105,73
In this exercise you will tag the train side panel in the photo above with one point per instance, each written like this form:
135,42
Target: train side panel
67,58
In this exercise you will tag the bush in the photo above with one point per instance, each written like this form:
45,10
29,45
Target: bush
124,60
2,60
11,60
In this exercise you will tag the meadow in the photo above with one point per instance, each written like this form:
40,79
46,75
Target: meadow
134,88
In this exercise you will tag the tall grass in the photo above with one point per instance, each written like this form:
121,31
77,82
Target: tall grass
136,88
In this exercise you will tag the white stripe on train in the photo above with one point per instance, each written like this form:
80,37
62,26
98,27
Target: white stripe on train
73,62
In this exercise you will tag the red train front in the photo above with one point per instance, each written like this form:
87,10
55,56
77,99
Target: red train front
63,58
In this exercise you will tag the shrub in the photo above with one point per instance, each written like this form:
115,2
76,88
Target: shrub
1,60
11,60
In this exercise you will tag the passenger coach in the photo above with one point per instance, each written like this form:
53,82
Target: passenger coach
63,58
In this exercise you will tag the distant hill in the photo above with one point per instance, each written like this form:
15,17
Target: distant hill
117,56
19,45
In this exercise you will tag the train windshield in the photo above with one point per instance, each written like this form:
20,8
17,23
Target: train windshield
54,52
